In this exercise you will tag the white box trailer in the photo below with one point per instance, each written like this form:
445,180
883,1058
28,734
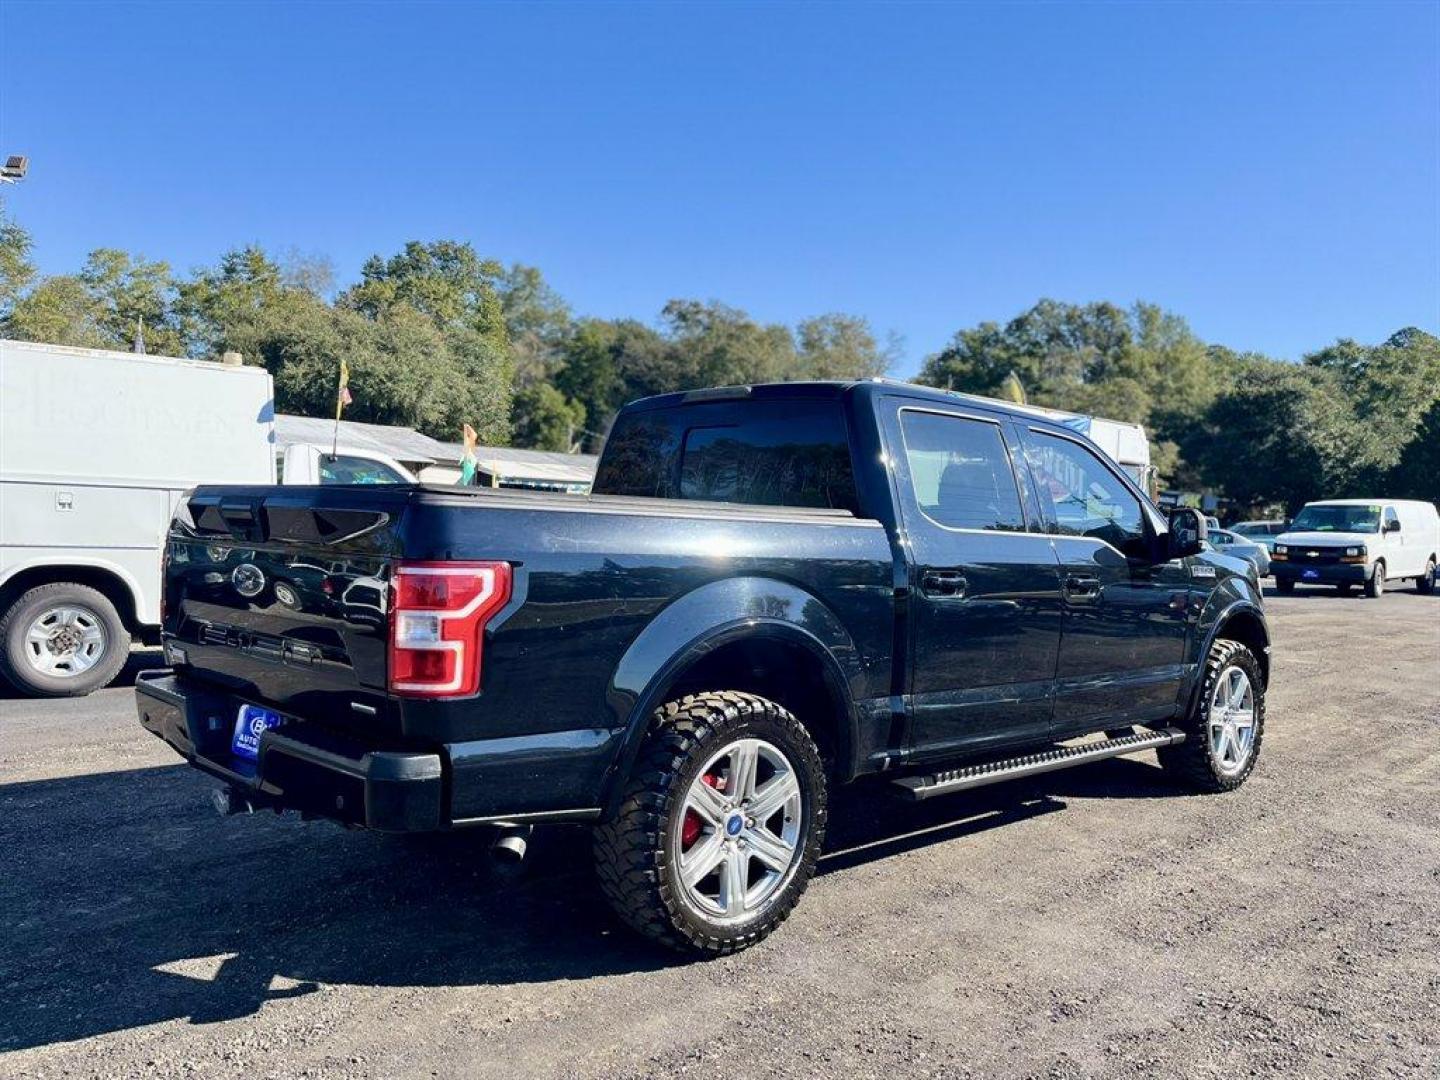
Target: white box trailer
96,449
1124,443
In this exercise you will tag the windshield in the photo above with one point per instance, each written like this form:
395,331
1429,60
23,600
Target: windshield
1337,519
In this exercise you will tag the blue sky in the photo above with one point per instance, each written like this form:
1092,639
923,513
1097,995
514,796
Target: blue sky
1272,172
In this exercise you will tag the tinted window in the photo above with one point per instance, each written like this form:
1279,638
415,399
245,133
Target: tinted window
770,453
1220,536
346,469
1390,516
961,471
1082,496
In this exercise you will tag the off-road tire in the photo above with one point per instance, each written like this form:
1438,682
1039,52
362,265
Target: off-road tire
1190,762
16,621
1425,583
1375,583
1285,585
633,860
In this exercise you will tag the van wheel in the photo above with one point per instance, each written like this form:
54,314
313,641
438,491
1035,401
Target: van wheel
720,826
1375,584
62,640
1425,583
1224,730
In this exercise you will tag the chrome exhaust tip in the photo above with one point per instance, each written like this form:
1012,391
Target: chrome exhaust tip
510,844
228,801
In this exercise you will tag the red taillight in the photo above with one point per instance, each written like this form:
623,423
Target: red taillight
437,624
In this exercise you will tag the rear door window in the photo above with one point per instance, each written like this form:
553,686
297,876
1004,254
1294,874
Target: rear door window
961,471
764,453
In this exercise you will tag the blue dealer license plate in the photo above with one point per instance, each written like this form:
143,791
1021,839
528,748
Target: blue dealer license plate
1310,575
252,722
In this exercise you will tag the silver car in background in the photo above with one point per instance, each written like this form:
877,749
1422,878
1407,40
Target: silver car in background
1228,542
1261,532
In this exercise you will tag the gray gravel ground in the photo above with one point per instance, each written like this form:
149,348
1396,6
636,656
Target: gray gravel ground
1089,923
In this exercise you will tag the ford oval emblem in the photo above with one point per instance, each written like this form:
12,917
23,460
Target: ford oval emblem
248,579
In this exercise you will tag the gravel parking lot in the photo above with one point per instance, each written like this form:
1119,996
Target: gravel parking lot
1088,923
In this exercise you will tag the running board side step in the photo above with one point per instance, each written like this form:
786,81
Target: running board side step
993,772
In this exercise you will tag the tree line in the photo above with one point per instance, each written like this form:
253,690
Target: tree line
435,335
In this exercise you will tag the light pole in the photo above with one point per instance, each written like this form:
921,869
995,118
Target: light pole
14,169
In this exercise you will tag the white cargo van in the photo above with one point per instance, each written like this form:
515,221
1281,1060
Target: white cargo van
96,448
1369,542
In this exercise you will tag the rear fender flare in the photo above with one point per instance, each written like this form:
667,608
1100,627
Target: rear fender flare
708,619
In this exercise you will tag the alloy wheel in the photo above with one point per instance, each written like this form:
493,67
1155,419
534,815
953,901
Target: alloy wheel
739,831
1231,721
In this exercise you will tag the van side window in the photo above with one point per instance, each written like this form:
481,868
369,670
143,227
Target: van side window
961,471
1082,496
1390,516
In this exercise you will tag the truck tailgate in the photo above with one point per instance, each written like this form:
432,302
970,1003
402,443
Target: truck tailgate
280,596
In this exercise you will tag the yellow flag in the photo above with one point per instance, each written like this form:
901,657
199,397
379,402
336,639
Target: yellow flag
1012,389
342,395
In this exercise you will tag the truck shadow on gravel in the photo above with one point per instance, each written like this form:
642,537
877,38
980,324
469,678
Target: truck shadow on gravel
127,902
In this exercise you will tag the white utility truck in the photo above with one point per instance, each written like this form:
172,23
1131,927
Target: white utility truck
96,448
1126,444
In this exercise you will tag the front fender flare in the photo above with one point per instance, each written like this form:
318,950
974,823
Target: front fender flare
1224,605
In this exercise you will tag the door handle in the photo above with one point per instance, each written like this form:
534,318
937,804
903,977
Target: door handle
943,583
1081,585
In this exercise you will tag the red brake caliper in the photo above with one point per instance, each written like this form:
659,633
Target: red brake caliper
690,830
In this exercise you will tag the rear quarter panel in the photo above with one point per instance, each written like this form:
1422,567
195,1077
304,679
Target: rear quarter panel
562,655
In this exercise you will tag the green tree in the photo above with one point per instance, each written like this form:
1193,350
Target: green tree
546,419
16,270
1417,474
445,280
1285,432
59,310
126,290
714,344
101,306
1392,387
838,346
229,305
537,322
1143,365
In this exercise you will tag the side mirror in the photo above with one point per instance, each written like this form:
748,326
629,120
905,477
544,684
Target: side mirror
1392,526
1187,533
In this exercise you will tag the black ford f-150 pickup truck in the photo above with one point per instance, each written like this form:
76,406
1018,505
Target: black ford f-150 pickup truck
773,590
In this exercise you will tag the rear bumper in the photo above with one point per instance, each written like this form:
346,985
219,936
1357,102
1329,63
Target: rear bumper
1321,574
300,767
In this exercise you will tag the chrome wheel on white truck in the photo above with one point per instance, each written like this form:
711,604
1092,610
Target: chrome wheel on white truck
62,640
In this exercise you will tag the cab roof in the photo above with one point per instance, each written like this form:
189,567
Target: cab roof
822,389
